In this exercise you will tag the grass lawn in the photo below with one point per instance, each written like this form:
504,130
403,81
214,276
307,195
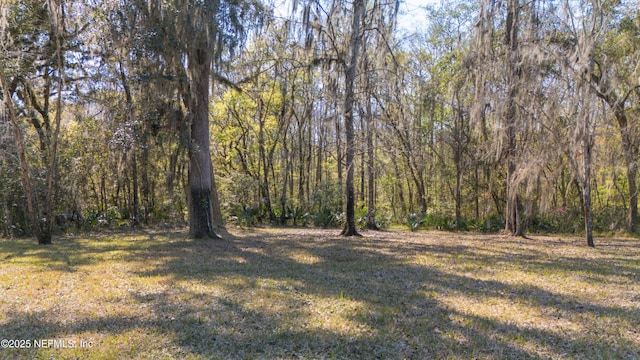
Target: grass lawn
309,293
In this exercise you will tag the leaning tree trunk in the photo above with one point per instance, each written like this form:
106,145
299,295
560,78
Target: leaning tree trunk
350,76
201,222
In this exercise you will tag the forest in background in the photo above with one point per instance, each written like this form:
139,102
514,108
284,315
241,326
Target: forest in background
499,115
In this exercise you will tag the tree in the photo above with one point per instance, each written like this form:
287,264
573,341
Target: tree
584,29
351,65
613,80
508,79
195,38
37,64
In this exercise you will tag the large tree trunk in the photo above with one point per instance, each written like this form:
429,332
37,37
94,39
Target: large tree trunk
201,223
350,76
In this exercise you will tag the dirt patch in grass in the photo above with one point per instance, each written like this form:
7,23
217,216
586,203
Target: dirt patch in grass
307,293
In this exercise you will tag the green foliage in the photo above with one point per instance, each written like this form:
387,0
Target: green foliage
382,220
461,224
491,224
113,216
245,215
439,222
415,221
431,222
297,216
571,221
327,218
561,220
327,195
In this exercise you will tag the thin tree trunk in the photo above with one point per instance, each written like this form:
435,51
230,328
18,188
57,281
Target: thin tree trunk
339,158
24,166
586,182
52,178
321,135
264,182
218,219
512,221
285,181
371,193
476,188
103,195
146,187
301,165
8,226
370,125
398,190
350,76
632,171
363,164
135,216
134,160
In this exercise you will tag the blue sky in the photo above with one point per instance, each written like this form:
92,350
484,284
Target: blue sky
412,16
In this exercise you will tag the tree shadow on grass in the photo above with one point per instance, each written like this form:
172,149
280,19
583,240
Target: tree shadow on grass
388,306
70,252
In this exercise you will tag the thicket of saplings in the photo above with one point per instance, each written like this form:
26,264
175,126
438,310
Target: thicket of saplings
324,211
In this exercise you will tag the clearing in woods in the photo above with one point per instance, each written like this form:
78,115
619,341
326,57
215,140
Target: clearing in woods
309,293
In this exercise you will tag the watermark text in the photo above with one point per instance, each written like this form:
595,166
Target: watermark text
45,343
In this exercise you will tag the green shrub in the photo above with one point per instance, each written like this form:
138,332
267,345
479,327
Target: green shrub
415,221
492,223
382,221
298,216
245,215
326,218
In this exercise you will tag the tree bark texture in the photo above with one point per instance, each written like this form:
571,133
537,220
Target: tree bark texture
201,223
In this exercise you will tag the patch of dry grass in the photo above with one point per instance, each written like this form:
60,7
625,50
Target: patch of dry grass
307,293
